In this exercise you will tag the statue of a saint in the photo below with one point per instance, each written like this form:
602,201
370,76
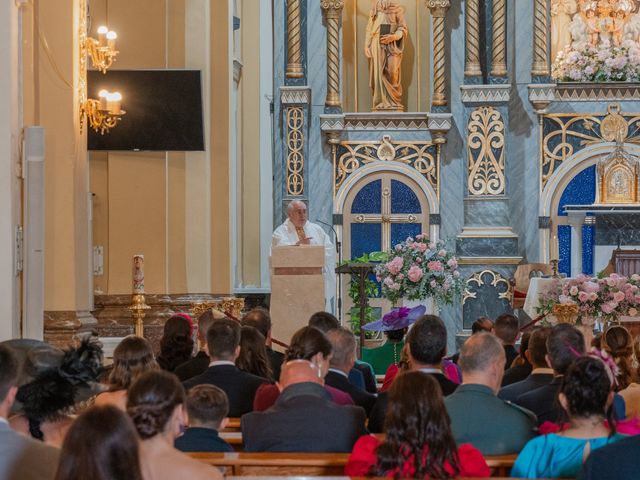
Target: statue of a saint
561,15
383,46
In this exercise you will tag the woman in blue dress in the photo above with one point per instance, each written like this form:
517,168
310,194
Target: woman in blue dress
586,395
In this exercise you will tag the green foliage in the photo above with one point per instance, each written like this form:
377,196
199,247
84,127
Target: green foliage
371,290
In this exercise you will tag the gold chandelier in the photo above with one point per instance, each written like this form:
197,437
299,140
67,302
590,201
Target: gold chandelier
105,113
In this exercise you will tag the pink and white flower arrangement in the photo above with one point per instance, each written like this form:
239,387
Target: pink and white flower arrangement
582,62
417,269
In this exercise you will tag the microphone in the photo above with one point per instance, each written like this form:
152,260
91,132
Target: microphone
331,227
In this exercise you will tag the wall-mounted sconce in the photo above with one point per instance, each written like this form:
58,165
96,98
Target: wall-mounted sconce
103,50
102,114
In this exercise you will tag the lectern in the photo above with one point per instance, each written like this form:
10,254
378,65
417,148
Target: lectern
297,287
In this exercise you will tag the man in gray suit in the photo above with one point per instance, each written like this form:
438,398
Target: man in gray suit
21,458
478,416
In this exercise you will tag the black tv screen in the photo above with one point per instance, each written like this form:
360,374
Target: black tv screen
163,110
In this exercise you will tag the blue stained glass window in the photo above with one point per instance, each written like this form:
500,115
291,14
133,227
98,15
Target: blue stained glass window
564,249
580,191
588,236
368,199
365,238
400,232
403,199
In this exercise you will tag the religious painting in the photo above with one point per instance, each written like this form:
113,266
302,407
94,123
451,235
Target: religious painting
598,23
386,56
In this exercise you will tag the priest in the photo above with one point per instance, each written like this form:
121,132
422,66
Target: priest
298,230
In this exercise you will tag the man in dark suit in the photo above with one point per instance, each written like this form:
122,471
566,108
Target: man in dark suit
21,457
616,461
200,362
260,319
208,408
564,344
223,343
342,360
507,329
478,416
540,375
427,345
521,367
303,419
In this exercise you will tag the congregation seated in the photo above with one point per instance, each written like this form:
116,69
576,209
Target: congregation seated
260,319
477,415
426,347
207,407
199,363
156,406
613,462
53,383
540,375
17,449
223,341
618,343
304,418
131,358
404,365
564,344
342,360
312,345
176,344
102,444
521,367
481,324
361,375
418,441
585,394
507,329
253,356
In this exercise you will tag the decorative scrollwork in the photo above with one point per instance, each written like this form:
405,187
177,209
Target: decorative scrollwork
496,280
423,156
295,151
485,152
564,135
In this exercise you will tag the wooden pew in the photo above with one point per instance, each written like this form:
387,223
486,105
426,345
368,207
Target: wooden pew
233,425
308,464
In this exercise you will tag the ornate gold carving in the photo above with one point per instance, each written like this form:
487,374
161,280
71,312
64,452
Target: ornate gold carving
573,131
498,28
228,305
496,279
423,156
472,39
295,154
82,60
333,10
540,44
438,10
485,152
617,177
294,44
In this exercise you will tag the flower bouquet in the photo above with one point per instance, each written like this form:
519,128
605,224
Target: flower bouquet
582,62
417,269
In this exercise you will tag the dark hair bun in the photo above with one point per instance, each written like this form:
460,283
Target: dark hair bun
147,419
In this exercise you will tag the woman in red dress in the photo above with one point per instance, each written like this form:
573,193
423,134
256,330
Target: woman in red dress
418,442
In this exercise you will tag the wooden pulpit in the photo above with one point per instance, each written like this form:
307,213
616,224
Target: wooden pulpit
624,262
297,288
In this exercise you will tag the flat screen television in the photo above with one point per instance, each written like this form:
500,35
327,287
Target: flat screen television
163,110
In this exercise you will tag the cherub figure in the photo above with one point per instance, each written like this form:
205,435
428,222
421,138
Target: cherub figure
617,27
593,27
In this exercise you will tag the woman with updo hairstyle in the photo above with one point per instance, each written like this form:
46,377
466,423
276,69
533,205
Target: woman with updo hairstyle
253,356
131,358
156,406
176,344
312,345
631,394
418,442
618,343
102,444
586,395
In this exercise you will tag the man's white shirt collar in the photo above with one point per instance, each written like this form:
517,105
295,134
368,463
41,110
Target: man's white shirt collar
215,363
339,371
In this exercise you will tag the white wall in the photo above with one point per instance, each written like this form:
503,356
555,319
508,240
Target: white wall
9,182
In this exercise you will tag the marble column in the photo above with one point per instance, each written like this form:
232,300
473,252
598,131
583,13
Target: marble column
576,221
438,10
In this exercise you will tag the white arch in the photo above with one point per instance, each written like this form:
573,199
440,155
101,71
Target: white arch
381,166
573,165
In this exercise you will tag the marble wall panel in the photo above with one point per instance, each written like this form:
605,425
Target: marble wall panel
486,212
612,229
487,247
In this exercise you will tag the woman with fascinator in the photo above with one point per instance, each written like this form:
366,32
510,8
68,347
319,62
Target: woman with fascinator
394,325
586,396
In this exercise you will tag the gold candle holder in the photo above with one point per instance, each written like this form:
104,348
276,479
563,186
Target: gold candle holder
554,266
566,312
139,309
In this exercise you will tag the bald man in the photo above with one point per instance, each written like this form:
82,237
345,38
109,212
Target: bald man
298,421
298,230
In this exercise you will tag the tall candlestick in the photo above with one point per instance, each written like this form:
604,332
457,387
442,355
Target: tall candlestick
138,274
